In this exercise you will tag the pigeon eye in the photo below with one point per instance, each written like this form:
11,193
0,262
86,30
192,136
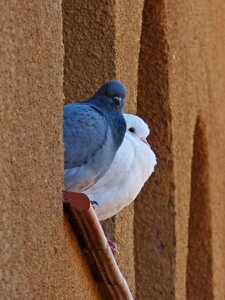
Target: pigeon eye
131,129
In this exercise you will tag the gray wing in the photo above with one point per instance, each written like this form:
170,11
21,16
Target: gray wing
84,132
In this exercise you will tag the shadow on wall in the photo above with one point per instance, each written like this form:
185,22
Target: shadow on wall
154,222
199,261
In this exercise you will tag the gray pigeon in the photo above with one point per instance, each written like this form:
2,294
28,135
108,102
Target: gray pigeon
93,131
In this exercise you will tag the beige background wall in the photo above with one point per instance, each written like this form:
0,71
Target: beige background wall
176,82
179,216
197,83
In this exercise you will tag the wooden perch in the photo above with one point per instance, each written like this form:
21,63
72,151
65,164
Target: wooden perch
95,247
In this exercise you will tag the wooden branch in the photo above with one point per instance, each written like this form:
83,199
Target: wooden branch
95,247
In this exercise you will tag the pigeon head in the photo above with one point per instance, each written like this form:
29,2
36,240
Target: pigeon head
137,127
111,95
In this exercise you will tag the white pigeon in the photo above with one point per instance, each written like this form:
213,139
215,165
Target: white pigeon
133,164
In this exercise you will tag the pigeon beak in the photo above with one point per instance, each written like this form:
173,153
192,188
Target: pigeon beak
117,100
145,141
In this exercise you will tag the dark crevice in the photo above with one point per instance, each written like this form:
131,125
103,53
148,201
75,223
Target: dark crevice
199,261
154,222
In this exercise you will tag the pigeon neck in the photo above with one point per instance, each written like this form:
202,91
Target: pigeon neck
116,122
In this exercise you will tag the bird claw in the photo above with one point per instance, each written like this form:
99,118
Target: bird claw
94,203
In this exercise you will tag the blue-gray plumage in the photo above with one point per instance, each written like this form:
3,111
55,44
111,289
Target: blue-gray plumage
93,130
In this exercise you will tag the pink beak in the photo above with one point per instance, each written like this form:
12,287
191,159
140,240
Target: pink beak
145,141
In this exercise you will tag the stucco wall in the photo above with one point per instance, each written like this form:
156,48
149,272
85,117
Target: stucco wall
39,258
197,83
154,222
179,216
176,83
101,42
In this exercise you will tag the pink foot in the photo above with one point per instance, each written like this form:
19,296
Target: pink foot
113,246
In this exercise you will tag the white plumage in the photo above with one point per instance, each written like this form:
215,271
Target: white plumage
133,164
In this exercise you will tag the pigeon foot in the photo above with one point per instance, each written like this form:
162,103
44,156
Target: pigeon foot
113,246
93,203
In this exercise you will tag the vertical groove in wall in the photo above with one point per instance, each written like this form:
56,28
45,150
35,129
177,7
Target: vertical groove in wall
154,221
89,42
128,20
101,41
199,261
89,60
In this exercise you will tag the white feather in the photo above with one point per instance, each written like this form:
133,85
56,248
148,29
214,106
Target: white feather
133,164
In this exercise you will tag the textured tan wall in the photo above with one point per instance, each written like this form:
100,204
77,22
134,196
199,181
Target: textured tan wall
154,225
39,258
179,216
197,82
181,74
101,42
